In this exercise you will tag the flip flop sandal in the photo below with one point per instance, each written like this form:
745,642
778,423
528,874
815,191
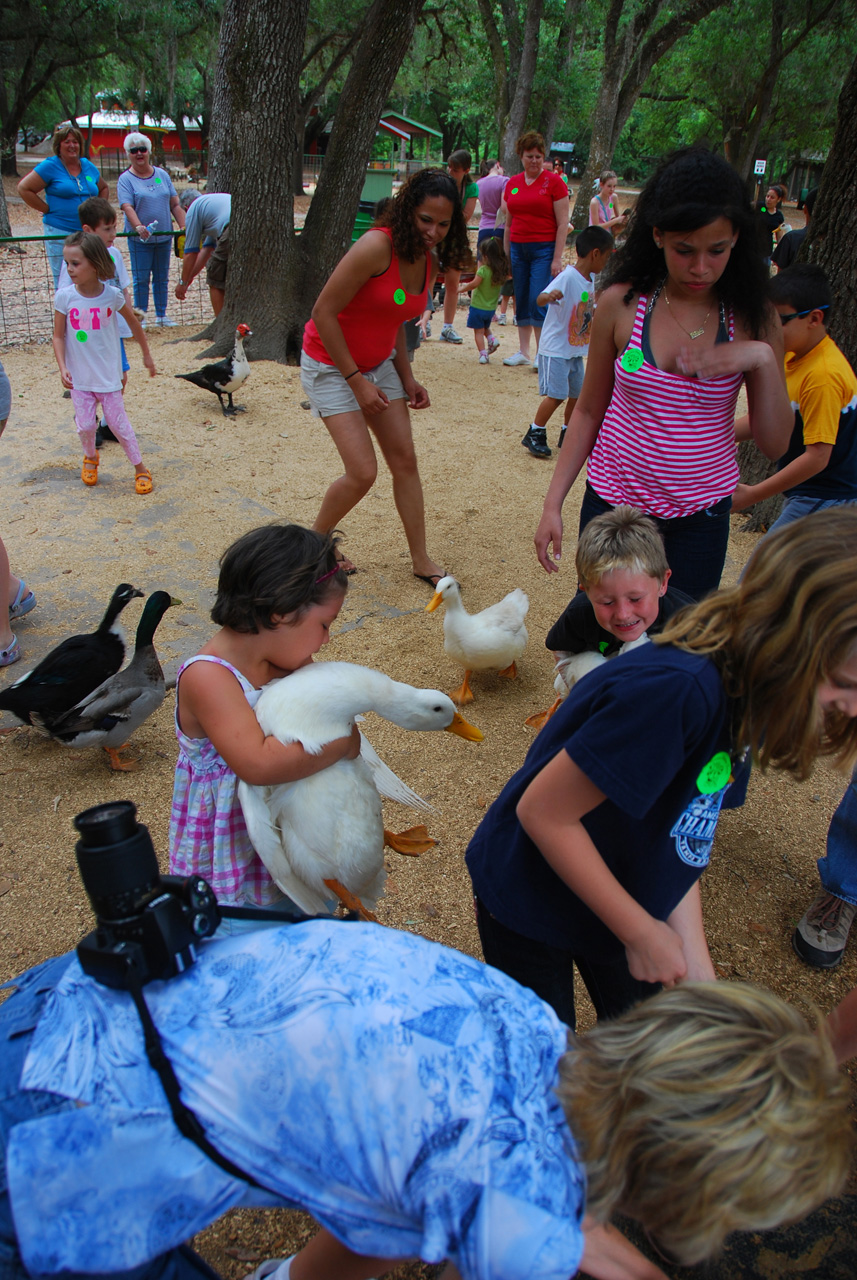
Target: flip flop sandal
89,470
11,653
143,482
24,601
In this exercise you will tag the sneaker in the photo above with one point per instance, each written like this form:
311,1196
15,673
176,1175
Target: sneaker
561,438
536,440
144,320
164,322
517,359
102,433
493,345
448,334
515,321
501,319
483,357
822,931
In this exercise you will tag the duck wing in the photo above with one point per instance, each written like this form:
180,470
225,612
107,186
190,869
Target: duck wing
389,784
508,613
121,704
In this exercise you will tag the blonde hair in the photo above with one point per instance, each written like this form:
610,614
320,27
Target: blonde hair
94,250
606,175
710,1108
620,539
783,631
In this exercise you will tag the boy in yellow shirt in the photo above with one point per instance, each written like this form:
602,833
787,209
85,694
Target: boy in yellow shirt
819,468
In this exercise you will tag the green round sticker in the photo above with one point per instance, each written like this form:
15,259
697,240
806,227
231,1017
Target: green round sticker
764,210
716,774
584,297
158,182
81,336
515,190
632,360
399,297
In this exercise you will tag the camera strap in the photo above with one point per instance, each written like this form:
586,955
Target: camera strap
186,1121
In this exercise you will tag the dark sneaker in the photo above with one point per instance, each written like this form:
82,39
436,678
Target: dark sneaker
102,433
536,440
822,931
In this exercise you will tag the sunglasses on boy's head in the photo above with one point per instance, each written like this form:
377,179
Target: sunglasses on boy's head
795,315
137,151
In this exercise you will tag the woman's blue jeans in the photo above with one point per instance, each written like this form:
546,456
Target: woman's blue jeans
531,273
695,544
151,258
53,249
838,868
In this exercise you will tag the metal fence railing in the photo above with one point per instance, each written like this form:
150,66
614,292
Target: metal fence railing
27,292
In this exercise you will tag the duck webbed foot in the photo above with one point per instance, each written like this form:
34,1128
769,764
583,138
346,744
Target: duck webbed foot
413,842
509,673
463,694
350,901
540,719
122,764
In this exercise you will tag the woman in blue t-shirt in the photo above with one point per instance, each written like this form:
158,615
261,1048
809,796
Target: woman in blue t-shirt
592,854
57,186
146,195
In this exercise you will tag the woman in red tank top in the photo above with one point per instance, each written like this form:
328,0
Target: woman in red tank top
354,364
683,322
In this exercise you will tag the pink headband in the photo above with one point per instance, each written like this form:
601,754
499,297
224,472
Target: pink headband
330,574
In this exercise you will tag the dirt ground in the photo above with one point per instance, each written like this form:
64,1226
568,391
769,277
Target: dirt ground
215,478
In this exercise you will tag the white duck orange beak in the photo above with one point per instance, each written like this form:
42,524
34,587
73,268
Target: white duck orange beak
436,599
464,730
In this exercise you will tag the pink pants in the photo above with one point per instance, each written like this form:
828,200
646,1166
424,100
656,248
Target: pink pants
113,407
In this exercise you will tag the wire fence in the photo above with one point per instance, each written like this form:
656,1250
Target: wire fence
27,292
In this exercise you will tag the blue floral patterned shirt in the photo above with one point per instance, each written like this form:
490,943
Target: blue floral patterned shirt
399,1091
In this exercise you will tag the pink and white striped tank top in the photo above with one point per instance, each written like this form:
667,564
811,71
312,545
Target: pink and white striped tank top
667,443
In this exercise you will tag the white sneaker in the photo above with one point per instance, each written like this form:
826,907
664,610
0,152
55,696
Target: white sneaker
144,320
517,359
493,345
448,334
164,322
501,319
483,357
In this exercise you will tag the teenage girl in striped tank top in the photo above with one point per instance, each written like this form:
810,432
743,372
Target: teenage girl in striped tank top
673,340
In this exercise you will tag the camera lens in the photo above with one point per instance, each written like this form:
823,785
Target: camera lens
116,859
106,824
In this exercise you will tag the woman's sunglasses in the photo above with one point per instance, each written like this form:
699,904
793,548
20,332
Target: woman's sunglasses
138,151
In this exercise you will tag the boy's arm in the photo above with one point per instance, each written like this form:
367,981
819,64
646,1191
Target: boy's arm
58,340
813,460
136,328
548,296
550,811
686,919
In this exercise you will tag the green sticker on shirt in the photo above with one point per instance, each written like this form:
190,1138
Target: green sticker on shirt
400,297
632,360
584,297
716,774
158,182
764,210
80,335
515,190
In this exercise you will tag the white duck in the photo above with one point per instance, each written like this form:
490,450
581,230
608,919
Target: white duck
571,667
324,834
488,641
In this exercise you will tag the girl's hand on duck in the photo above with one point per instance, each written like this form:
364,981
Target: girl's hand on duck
370,398
657,955
723,359
419,397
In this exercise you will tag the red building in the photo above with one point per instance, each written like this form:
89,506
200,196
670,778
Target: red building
109,129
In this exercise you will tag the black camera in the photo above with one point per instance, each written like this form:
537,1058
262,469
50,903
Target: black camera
148,924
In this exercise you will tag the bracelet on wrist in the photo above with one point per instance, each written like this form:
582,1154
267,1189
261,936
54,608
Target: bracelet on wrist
346,376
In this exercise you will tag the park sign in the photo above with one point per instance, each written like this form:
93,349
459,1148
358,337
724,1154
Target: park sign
761,166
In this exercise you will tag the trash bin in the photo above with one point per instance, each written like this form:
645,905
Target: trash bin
365,218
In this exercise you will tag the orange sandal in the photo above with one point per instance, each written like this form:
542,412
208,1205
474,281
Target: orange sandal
89,470
143,482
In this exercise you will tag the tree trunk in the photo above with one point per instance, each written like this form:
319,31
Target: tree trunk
602,144
219,176
5,229
261,45
563,55
830,240
520,105
754,468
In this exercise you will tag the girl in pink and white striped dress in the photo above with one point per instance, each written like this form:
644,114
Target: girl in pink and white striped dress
681,326
279,591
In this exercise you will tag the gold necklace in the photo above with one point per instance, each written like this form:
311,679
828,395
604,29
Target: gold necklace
691,333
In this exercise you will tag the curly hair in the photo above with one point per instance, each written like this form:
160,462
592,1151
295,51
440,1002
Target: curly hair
710,1108
275,572
400,216
785,629
530,141
690,189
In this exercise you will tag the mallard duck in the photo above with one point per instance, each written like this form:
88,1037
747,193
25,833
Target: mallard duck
571,667
488,641
324,833
111,713
73,669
